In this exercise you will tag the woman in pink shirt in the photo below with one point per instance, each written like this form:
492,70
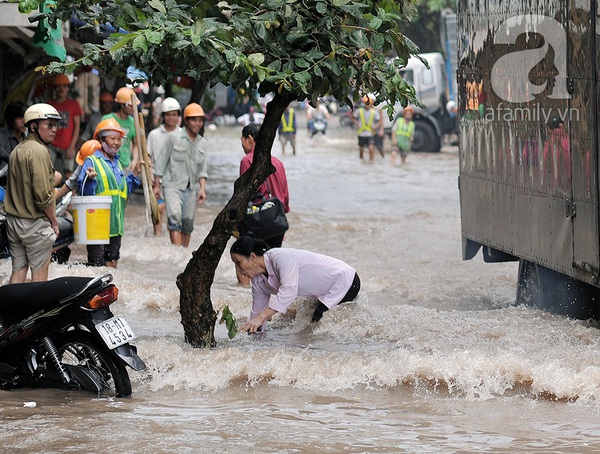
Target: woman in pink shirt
280,275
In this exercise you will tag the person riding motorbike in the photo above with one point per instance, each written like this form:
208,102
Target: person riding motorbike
318,114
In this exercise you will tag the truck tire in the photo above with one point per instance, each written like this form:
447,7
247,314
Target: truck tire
425,138
557,293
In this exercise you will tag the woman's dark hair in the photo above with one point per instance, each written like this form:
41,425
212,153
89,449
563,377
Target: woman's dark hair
13,111
247,244
251,130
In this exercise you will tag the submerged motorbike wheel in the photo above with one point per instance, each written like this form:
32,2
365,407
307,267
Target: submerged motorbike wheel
80,348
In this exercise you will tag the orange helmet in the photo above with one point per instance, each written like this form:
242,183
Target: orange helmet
368,100
193,110
87,149
110,124
61,79
124,94
106,97
409,109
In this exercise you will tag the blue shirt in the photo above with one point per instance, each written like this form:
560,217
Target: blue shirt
91,184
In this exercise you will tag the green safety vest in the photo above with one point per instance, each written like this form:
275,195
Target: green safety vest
289,125
364,125
404,132
107,185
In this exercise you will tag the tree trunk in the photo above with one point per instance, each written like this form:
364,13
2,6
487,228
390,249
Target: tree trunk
198,91
198,316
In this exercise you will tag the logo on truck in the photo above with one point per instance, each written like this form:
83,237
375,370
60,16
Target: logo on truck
507,73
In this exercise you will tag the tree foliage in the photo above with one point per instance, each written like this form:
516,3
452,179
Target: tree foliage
295,49
304,47
424,29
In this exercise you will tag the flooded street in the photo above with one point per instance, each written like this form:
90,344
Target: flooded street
433,356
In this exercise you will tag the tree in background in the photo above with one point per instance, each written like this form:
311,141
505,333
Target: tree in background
295,49
424,29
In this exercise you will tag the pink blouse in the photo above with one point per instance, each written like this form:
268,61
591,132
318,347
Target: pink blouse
293,273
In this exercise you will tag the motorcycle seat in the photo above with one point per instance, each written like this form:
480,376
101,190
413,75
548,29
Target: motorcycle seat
21,300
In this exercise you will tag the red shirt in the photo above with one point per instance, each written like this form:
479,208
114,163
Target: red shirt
277,181
68,110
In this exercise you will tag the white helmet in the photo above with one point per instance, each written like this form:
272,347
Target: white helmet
450,105
41,111
169,105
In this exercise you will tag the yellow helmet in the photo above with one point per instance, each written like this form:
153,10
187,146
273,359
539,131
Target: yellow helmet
110,124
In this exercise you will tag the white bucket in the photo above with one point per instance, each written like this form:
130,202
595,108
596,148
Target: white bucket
91,219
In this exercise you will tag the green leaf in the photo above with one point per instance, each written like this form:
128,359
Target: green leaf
140,42
195,38
256,59
158,5
340,2
27,6
154,37
181,44
230,322
129,10
375,23
122,42
302,63
321,8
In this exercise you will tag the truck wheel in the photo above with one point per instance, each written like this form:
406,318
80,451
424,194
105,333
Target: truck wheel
425,138
549,290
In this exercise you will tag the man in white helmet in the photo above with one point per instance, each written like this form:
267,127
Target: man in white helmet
29,201
170,119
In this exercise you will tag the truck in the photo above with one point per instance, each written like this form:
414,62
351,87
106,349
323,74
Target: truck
529,182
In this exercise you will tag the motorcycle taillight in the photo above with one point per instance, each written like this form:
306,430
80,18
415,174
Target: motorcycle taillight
103,298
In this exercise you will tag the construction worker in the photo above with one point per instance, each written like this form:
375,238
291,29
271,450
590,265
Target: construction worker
287,130
368,121
128,153
183,169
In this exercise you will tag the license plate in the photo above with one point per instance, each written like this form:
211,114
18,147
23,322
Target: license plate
115,332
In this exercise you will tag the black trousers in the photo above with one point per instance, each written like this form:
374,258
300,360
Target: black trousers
350,295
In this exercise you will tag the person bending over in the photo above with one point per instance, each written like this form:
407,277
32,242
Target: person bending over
280,275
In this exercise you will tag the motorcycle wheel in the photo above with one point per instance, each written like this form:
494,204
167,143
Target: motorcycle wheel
80,348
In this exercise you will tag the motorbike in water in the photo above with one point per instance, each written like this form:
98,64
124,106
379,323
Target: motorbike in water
60,250
318,126
62,334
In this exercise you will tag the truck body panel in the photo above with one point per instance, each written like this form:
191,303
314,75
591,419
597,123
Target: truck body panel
528,90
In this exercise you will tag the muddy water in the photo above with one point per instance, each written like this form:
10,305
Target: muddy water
432,357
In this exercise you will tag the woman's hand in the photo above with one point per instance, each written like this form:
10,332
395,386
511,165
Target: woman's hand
91,173
251,326
254,324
